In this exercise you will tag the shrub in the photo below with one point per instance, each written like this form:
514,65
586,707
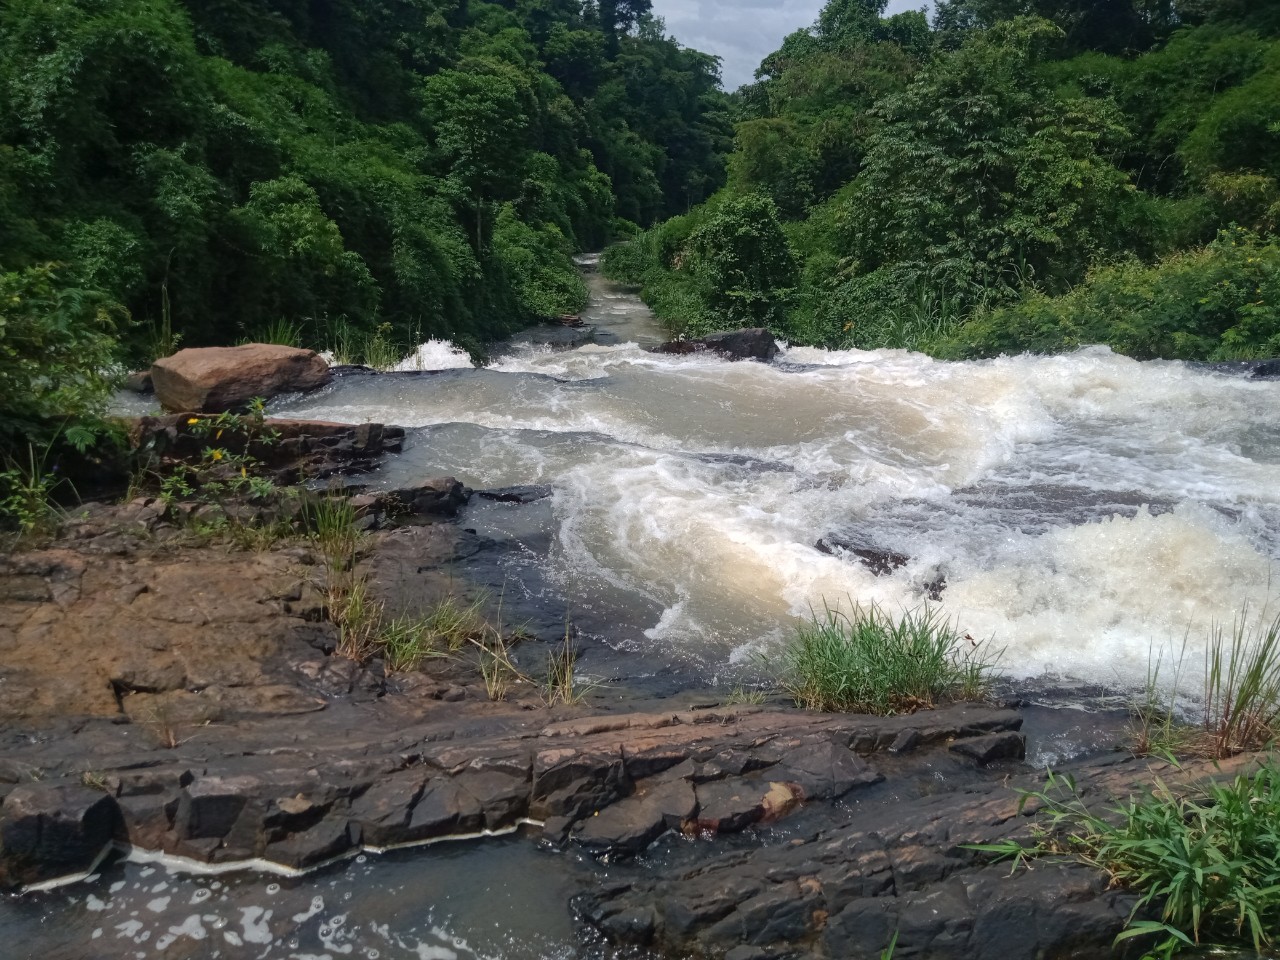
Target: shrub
1218,303
56,355
1208,858
870,662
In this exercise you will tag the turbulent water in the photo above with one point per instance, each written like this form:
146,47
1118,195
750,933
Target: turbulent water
497,900
1082,509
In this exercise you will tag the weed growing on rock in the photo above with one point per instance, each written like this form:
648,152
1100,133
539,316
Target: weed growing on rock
744,696
560,686
867,661
26,493
1206,857
1238,707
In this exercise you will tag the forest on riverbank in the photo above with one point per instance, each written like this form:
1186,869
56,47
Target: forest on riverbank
330,173
1012,175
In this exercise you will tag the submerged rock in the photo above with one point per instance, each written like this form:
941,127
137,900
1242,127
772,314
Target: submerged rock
214,379
752,343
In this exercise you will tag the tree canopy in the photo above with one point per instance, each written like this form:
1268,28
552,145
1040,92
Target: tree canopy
933,178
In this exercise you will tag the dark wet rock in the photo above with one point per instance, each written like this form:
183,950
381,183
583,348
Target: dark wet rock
826,770
382,812
520,494
632,824
571,782
879,560
139,382
751,343
992,747
439,496
299,449
48,831
214,379
1254,369
876,559
901,865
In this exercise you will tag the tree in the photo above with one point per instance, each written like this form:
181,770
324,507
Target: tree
747,263
980,179
478,114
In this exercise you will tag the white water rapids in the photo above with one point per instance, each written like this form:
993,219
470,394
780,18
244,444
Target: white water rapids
1082,508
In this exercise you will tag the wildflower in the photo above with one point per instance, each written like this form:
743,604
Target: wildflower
216,455
193,420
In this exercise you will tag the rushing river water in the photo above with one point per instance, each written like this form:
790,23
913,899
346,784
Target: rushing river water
1082,509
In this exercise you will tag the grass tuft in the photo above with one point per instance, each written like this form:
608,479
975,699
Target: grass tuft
561,686
1238,706
867,661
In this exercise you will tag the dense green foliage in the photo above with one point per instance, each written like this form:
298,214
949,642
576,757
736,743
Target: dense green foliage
424,167
1017,175
1205,856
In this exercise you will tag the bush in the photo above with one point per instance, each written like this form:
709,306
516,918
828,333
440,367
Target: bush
56,356
868,662
1208,859
1218,303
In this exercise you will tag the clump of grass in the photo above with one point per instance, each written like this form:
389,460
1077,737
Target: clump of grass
867,661
1242,686
560,687
1207,858
405,642
744,696
281,331
1238,706
497,669
452,623
379,351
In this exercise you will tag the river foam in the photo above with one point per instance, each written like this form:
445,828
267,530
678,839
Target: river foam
1080,509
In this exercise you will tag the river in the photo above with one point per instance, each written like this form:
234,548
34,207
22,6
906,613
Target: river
1082,511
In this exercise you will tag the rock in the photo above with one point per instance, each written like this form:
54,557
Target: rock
630,825
879,560
522,494
751,343
992,747
300,449
214,379
825,771
729,806
49,831
139,382
442,497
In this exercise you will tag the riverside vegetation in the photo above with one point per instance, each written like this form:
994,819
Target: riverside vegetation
335,175
1017,175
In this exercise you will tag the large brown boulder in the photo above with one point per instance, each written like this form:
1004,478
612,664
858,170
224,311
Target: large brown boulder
214,379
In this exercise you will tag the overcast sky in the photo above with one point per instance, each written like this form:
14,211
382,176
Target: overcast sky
744,32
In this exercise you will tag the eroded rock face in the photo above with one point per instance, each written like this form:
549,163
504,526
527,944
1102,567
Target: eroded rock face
214,379
751,343
300,449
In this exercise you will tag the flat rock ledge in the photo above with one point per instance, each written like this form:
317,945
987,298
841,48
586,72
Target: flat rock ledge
189,700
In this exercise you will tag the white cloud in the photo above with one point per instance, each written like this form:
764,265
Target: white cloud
744,32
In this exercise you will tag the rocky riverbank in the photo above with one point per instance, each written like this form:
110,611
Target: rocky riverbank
174,693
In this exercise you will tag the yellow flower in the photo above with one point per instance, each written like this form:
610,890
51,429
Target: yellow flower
216,455
193,420
244,472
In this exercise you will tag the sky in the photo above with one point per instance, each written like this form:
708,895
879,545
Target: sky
744,32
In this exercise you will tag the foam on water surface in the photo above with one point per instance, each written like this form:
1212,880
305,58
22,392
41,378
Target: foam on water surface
1080,508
